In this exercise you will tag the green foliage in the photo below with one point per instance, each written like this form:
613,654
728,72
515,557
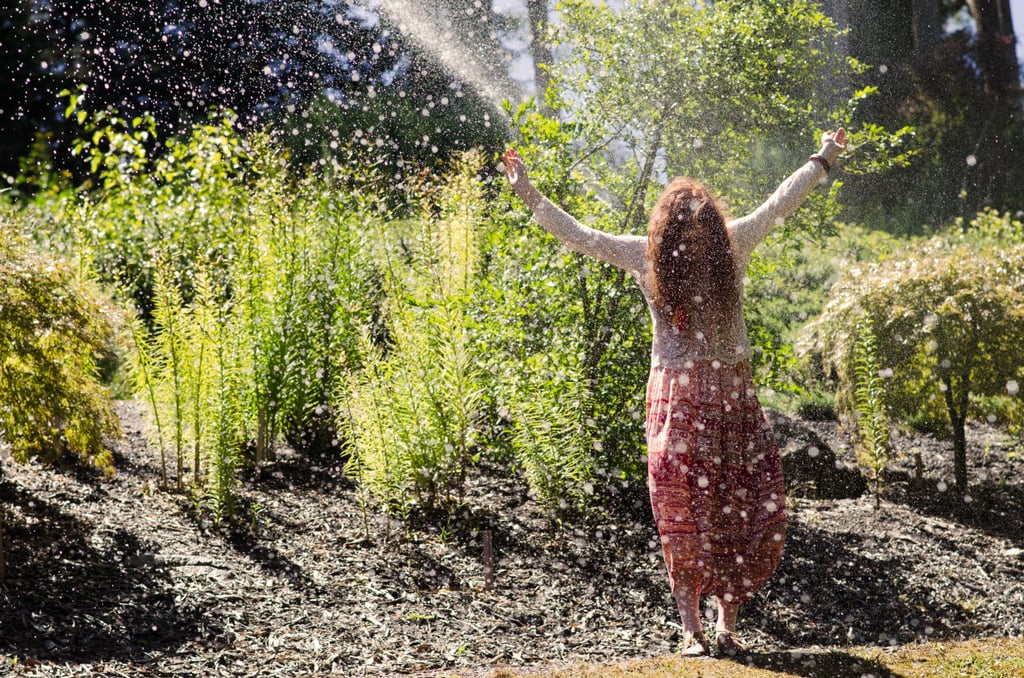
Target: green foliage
551,437
54,328
787,284
948,321
418,124
732,93
869,403
542,304
686,101
410,413
988,228
183,198
250,286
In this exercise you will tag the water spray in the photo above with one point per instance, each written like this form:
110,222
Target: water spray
434,34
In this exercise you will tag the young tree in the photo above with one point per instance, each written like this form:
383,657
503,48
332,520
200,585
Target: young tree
729,92
52,330
948,322
993,25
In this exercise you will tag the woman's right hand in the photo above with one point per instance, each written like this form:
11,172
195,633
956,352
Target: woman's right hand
515,172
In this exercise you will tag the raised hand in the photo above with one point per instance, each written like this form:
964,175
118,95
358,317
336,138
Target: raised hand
515,172
838,138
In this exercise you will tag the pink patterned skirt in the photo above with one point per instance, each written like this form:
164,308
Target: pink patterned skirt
715,478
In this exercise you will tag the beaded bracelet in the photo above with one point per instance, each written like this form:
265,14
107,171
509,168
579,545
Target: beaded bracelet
824,163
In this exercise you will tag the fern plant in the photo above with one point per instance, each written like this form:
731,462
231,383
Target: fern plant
550,435
412,409
380,430
218,415
869,400
170,363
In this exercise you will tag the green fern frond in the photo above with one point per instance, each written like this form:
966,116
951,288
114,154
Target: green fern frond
869,402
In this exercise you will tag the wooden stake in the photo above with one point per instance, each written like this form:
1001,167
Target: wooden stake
261,437
488,559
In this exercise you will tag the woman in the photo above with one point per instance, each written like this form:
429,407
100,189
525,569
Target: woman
714,471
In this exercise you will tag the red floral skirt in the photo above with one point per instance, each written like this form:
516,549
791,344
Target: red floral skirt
715,478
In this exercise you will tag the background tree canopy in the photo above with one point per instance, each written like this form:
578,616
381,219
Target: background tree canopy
313,67
374,72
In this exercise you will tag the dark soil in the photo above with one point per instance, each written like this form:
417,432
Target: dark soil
112,575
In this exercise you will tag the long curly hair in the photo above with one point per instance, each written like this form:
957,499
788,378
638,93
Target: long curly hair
692,270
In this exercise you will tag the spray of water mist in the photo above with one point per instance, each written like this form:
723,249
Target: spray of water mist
436,35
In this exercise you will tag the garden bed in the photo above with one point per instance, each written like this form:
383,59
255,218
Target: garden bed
115,575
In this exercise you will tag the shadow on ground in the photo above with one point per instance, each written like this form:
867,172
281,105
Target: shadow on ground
77,592
843,588
990,507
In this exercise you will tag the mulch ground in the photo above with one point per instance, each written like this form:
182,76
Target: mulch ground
115,576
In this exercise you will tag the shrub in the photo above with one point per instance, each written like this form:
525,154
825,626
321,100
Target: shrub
949,322
55,327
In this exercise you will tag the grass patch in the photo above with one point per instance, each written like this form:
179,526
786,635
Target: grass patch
994,658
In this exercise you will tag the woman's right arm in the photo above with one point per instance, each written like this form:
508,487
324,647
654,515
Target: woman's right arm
625,251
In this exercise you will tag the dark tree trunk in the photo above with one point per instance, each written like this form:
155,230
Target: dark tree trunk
996,47
956,405
539,50
960,455
927,23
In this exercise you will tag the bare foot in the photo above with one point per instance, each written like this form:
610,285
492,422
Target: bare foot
728,644
695,645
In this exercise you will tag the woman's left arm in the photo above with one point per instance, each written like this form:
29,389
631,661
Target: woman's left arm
747,232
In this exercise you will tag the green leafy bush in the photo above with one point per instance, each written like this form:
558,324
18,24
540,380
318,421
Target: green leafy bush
410,413
54,329
949,322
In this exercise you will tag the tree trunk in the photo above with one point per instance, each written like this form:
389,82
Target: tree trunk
996,45
927,23
956,406
539,50
960,455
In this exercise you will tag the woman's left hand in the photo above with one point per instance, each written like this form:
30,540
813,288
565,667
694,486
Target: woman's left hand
838,138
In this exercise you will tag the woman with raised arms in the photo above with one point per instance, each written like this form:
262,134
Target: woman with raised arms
714,471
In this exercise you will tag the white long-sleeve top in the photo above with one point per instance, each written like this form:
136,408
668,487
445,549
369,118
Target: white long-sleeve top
672,346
